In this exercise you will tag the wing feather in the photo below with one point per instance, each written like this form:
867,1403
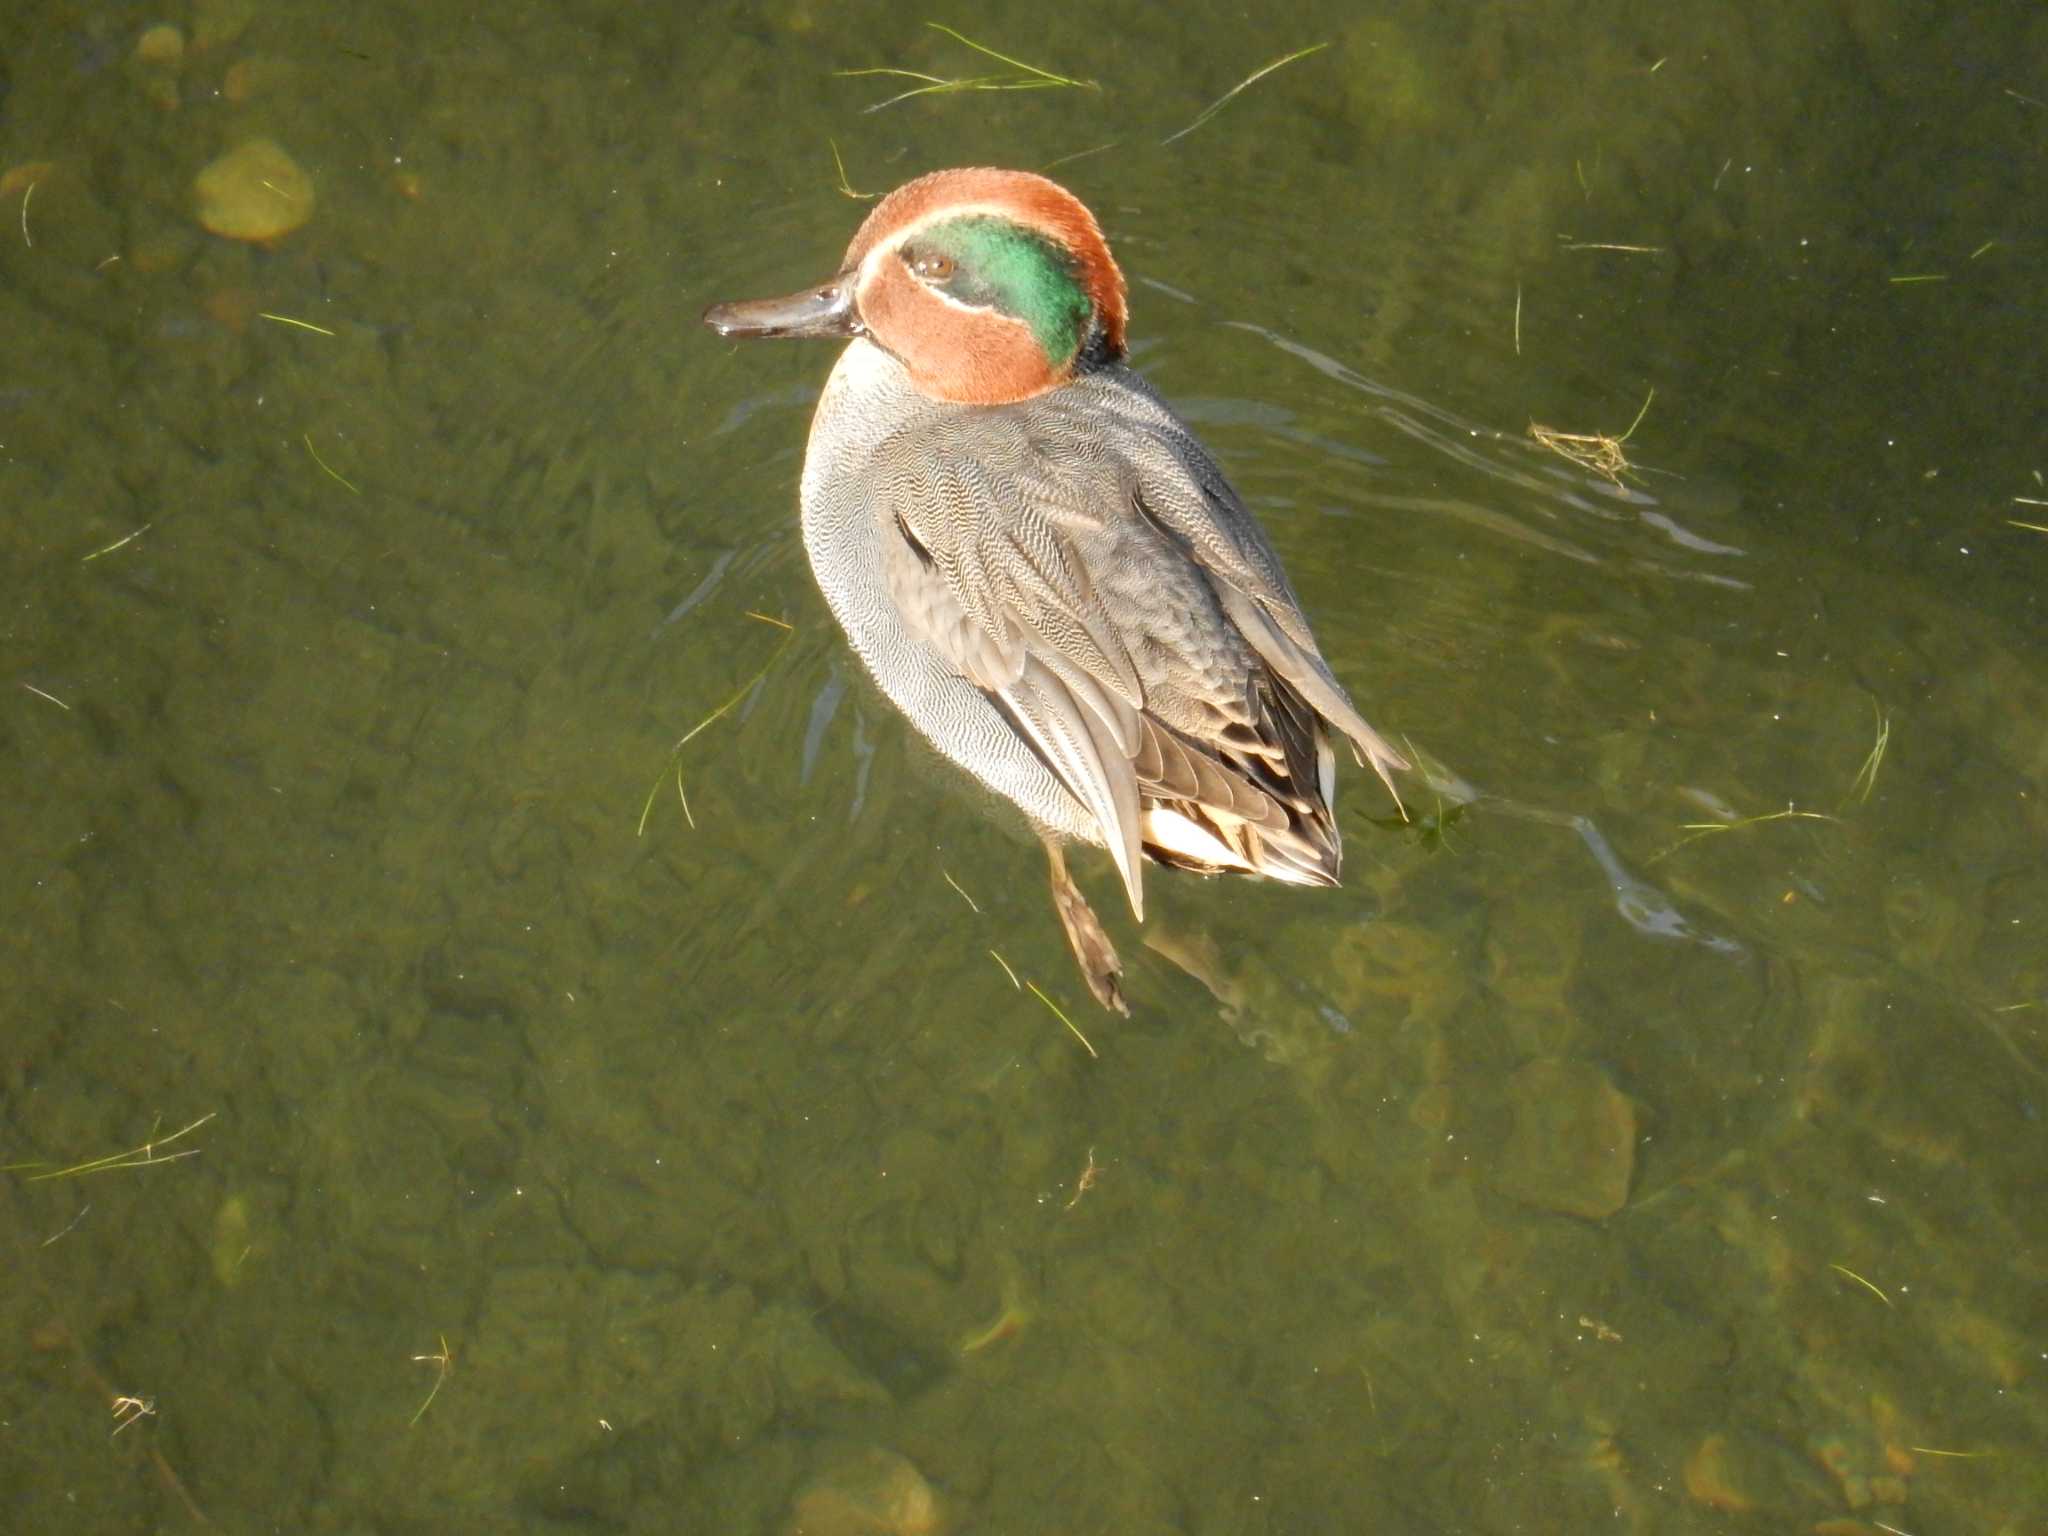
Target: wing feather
1080,558
1077,745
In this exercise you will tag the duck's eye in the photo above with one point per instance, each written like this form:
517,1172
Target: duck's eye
931,266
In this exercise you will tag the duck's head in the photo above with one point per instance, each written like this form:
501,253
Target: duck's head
988,286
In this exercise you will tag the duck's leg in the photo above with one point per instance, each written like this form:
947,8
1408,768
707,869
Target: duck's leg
1100,967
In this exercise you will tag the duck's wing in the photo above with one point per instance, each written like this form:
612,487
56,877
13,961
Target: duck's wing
986,567
1084,563
1179,488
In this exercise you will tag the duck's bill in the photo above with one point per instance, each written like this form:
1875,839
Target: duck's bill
826,310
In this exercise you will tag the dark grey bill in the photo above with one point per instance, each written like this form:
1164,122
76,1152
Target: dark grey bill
826,310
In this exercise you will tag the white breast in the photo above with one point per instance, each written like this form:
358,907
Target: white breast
846,518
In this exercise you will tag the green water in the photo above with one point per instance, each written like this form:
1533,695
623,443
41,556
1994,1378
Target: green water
1570,1168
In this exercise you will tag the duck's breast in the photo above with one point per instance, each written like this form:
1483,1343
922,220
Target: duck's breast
868,575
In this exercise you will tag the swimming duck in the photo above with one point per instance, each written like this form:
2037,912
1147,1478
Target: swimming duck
1039,563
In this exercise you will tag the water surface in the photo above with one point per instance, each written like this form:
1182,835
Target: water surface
1650,1128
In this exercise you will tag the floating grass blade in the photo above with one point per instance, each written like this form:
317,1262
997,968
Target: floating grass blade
147,1155
845,186
1249,80
1866,776
304,325
963,894
1079,154
1060,1014
1003,58
125,539
1699,829
328,469
939,87
443,1361
1030,78
1843,1269
675,752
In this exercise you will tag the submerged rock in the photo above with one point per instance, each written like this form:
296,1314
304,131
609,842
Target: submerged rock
254,192
1572,1148
1710,1479
161,47
873,1492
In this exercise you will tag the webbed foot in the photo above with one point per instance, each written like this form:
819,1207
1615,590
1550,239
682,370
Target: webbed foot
1096,956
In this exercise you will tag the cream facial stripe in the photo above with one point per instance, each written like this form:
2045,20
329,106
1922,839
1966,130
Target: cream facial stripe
1009,265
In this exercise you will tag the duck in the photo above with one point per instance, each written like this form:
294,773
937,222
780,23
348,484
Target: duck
1042,567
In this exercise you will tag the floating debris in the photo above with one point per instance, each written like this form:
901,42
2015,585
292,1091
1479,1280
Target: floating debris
1595,451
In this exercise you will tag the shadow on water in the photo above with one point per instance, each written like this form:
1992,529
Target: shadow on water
1612,1148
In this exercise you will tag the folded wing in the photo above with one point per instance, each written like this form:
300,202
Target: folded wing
1081,560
